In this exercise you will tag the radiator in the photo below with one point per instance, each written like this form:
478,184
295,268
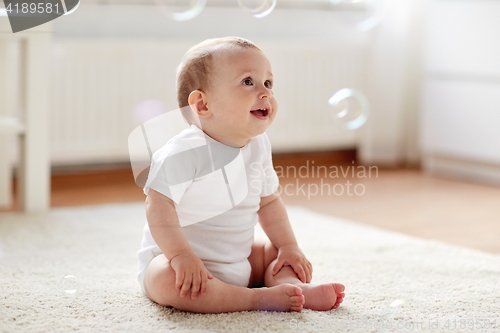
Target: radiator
96,83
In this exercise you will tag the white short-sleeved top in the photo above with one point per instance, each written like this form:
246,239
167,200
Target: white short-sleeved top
216,189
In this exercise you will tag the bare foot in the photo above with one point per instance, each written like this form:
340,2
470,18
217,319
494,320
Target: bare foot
285,297
322,297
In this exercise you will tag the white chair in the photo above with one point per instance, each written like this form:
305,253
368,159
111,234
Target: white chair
30,98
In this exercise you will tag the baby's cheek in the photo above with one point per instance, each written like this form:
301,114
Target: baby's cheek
274,103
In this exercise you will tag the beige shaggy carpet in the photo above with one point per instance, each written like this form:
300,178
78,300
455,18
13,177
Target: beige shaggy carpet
394,283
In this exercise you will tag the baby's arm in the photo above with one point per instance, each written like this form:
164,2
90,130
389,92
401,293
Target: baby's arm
274,221
165,229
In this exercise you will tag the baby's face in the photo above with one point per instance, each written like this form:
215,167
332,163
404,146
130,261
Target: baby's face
240,84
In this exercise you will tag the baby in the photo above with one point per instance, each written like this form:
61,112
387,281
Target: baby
198,252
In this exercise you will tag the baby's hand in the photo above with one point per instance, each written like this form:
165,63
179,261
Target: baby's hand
190,273
291,255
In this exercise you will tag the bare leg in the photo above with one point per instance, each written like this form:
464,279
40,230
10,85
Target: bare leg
320,297
220,297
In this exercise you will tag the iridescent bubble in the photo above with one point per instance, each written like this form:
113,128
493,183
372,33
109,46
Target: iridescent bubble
71,6
69,284
148,109
350,107
364,15
181,10
258,8
402,316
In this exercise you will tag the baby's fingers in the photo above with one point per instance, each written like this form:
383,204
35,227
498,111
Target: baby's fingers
278,266
308,275
179,278
204,282
301,273
308,272
186,285
195,285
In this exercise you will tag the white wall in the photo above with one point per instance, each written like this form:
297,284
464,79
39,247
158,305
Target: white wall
389,137
461,108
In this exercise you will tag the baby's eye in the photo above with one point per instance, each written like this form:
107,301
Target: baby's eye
247,81
268,84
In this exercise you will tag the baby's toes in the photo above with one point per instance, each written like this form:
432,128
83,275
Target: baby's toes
297,300
297,303
339,288
337,303
294,291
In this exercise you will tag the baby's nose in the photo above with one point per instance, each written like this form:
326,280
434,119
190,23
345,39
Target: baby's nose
265,93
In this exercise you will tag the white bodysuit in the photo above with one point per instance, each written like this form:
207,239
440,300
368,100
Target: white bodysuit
216,189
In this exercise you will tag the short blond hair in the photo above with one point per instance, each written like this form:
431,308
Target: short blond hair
195,66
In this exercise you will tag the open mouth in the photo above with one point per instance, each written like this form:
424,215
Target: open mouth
260,113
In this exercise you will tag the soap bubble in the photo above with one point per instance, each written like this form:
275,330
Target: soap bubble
402,316
364,15
71,6
69,284
258,8
148,109
350,107
181,10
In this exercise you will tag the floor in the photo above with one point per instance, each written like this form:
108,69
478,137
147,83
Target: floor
413,203
404,200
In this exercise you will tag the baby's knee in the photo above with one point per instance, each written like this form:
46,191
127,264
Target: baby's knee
159,282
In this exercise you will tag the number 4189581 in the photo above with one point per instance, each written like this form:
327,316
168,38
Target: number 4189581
33,8
471,324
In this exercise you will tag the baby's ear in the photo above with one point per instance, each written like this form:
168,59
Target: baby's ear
198,102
